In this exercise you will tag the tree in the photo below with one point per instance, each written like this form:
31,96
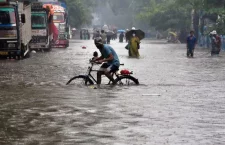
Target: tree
164,14
80,11
216,12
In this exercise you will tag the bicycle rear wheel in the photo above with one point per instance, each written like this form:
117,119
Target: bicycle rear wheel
126,80
81,79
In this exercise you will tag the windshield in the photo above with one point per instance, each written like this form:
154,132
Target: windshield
7,16
38,20
58,18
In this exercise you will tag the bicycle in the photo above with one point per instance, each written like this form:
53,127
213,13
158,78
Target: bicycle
119,80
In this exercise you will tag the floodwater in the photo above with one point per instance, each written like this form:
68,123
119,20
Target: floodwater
179,101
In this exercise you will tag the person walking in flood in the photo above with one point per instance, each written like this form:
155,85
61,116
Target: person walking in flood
191,43
216,43
103,36
121,37
134,45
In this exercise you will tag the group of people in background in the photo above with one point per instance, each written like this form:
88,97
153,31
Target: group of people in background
215,42
84,34
106,37
133,41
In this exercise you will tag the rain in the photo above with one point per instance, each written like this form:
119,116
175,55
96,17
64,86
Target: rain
161,64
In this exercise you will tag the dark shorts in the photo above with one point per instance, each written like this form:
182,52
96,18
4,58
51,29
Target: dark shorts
191,48
108,68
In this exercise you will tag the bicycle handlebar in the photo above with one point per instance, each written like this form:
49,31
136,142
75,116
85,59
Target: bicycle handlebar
96,62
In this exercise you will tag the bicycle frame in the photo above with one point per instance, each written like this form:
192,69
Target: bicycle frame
91,70
89,77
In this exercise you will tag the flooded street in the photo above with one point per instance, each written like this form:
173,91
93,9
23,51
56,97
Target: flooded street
37,108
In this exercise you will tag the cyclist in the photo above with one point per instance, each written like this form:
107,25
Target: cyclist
109,58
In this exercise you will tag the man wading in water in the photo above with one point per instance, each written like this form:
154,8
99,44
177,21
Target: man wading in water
191,43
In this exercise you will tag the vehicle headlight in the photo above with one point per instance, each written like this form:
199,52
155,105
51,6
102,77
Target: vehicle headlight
11,45
62,27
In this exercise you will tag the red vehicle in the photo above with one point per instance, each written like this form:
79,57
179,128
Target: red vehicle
60,21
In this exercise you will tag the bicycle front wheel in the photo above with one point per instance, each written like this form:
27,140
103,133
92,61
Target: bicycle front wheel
127,80
81,79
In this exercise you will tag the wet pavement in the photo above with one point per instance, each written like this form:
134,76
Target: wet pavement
188,107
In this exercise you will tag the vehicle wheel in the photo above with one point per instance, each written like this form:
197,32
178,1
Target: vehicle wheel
82,79
126,80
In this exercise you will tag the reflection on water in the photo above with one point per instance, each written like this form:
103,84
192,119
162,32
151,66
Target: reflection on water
38,108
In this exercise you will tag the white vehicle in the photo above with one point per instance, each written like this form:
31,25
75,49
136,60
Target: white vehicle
15,28
40,19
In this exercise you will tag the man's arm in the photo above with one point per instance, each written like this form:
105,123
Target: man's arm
99,58
196,41
111,57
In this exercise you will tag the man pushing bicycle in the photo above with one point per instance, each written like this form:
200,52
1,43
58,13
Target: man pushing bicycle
109,58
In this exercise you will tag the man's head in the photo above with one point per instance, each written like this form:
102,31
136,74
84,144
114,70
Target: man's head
99,43
192,33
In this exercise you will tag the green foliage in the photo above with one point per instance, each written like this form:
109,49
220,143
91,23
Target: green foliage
176,14
165,14
160,14
80,11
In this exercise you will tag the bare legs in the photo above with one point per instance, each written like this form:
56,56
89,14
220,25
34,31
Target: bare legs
107,74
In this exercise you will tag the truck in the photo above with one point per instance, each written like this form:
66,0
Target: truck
15,28
60,20
67,24
42,36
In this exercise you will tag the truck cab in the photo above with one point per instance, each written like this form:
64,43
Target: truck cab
60,21
41,37
14,36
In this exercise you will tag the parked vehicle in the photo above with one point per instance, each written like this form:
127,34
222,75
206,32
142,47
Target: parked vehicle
15,28
42,36
61,21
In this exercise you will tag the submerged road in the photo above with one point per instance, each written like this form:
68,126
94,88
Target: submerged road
188,107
